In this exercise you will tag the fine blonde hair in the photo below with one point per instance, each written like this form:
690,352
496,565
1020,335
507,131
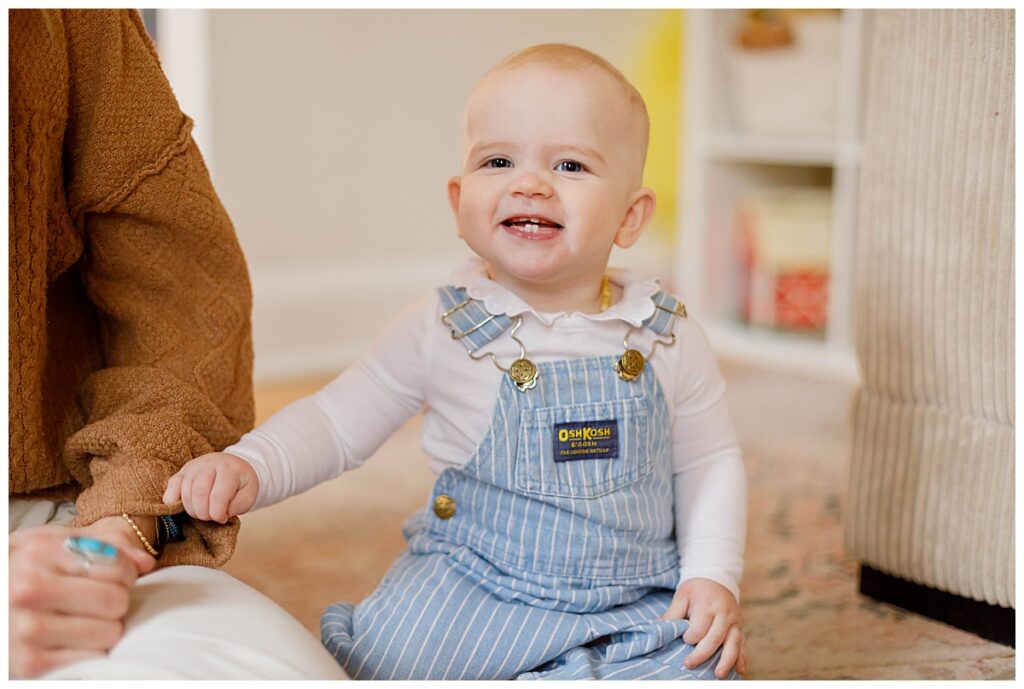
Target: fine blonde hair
571,57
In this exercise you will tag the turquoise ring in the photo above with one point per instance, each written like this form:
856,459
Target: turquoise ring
90,550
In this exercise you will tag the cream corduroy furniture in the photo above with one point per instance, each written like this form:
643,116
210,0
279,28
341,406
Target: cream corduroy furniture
931,497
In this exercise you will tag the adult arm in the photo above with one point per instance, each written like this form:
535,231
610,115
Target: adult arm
164,270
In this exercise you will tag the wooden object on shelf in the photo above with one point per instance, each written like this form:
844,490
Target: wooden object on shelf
764,29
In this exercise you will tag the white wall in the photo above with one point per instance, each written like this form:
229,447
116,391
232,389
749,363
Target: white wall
335,132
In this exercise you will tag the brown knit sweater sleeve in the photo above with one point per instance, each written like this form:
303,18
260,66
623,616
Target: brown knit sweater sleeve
165,272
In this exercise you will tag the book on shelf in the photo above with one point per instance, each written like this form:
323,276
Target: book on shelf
783,243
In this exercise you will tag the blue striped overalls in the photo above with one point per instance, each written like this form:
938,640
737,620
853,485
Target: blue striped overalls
560,554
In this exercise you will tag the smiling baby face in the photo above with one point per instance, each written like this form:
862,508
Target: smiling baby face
551,175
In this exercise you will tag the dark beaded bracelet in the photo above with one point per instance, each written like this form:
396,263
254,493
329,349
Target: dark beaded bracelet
171,526
160,539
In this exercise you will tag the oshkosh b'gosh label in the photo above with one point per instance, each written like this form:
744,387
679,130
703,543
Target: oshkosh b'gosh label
586,440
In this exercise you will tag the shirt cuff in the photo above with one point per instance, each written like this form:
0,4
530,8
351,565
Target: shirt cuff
716,574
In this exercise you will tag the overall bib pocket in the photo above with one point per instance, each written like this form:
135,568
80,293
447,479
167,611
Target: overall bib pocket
583,451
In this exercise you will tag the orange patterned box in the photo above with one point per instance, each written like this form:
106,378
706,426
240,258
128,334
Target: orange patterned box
784,239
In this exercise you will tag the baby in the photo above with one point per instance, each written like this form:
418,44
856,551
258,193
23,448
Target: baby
588,517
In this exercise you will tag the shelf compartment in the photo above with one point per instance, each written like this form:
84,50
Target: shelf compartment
727,184
721,162
724,146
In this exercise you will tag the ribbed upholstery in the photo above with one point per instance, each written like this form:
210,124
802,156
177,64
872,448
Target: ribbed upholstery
932,477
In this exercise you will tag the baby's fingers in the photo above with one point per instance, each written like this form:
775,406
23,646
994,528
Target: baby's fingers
172,493
197,492
225,486
700,623
678,609
244,499
709,644
732,650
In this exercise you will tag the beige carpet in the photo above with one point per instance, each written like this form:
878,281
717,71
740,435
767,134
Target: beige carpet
803,616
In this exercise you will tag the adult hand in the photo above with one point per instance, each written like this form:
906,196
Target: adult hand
714,618
61,610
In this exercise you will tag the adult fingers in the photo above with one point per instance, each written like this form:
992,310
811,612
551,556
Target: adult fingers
46,553
709,644
120,570
55,631
730,652
19,538
64,584
84,596
118,532
27,662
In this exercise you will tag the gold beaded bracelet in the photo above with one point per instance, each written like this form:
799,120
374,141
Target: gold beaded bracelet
142,537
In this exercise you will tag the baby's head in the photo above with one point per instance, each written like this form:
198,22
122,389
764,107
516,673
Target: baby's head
553,151
614,97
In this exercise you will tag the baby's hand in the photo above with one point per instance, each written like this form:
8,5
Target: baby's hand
214,487
714,618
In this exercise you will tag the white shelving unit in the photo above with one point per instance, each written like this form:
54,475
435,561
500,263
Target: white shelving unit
720,161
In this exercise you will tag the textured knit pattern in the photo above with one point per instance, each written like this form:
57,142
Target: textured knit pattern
553,568
932,477
129,303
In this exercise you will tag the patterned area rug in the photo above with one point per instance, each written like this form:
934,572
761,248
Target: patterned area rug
803,616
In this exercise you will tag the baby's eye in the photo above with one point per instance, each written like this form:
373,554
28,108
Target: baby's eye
498,163
570,166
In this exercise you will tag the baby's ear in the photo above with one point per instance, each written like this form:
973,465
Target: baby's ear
454,191
639,213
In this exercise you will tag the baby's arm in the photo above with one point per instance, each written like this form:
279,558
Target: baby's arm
710,525
214,487
710,505
316,438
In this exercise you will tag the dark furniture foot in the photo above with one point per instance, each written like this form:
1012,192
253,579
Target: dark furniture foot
988,621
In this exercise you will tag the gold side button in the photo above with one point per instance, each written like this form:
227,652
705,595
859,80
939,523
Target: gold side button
444,506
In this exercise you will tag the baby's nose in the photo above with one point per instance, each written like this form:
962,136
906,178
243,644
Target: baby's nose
530,183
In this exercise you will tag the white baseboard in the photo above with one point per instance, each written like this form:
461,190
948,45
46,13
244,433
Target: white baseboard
316,320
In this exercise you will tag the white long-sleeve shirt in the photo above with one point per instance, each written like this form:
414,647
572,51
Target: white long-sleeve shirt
415,365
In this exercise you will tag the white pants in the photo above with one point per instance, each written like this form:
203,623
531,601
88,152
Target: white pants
188,622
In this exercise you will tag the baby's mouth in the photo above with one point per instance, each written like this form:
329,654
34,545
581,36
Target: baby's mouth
531,224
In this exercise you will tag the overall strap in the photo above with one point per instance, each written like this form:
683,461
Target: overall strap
470,322
666,308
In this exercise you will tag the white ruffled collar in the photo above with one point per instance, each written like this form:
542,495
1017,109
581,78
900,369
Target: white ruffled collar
634,307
